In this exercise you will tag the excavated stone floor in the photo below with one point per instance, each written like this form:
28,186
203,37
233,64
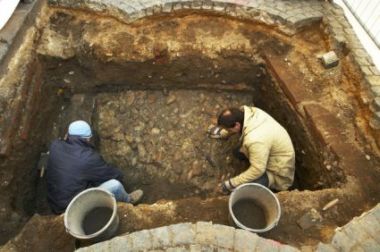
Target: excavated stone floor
168,153
152,87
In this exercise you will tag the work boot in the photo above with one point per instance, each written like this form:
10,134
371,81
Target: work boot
135,196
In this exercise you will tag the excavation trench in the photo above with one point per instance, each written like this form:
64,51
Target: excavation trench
151,90
157,134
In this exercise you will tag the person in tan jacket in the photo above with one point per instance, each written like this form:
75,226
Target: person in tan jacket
265,143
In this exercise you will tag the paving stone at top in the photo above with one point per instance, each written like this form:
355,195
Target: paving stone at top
270,12
3,50
373,80
245,241
160,237
205,233
224,236
266,245
325,248
343,243
182,233
141,240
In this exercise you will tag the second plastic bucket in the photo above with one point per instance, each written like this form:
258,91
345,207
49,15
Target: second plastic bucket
264,198
83,205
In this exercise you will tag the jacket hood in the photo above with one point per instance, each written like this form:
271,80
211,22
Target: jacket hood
78,140
253,118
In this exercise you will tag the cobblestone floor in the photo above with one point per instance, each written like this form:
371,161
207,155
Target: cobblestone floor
159,140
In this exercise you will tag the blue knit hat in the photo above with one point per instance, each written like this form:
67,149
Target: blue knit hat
80,128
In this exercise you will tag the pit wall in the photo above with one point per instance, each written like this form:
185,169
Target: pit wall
24,113
189,59
288,17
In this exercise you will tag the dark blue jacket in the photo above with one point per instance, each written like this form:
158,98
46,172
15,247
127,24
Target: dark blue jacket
74,166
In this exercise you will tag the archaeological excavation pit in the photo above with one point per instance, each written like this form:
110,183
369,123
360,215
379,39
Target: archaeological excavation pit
151,117
152,88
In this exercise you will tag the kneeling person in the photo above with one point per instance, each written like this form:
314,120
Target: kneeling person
74,166
265,143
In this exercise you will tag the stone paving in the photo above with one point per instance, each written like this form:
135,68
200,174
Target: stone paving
361,234
202,236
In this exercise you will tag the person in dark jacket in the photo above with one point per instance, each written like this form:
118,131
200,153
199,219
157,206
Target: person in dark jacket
74,166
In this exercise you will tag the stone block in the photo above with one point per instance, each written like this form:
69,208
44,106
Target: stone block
373,80
325,248
375,90
120,243
224,236
287,248
196,4
207,5
177,6
335,24
366,70
375,212
186,4
359,52
245,241
160,237
374,70
182,234
219,7
330,59
202,248
369,244
376,103
266,245
3,51
167,6
136,15
340,40
141,240
205,233
177,249
376,115
342,242
355,231
363,61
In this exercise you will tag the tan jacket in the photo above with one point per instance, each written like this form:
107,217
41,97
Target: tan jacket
268,147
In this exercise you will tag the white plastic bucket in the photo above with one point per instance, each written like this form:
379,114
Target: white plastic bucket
83,204
265,199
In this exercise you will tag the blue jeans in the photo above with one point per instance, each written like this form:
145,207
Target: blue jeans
116,188
263,180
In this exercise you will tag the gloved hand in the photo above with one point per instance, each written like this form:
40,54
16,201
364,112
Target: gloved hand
227,187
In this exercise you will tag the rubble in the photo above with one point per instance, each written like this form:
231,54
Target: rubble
170,141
